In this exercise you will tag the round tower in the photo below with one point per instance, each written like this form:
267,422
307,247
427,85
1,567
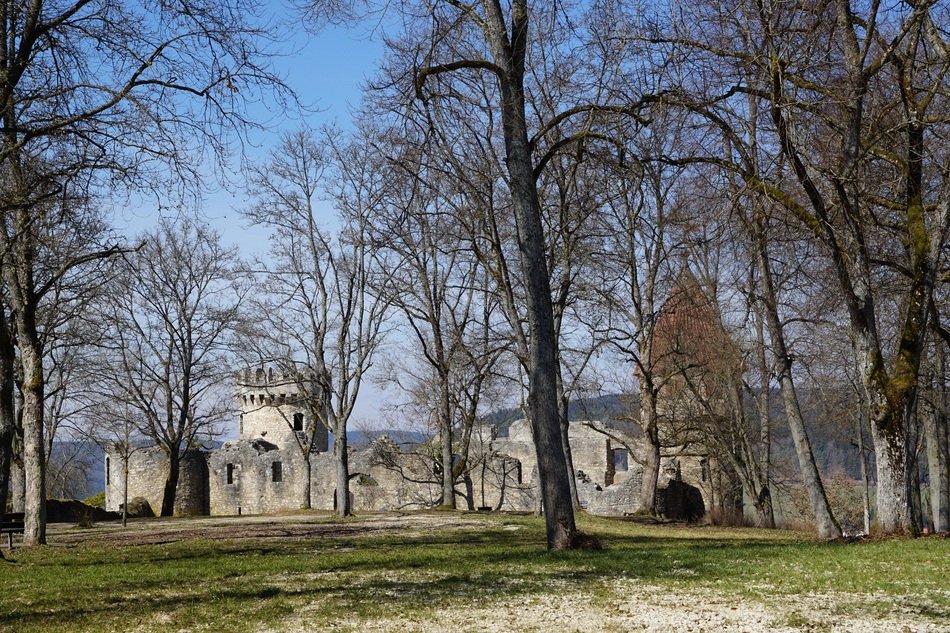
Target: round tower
276,404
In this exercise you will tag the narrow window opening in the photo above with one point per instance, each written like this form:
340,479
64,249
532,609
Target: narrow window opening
230,473
620,460
298,421
276,472
107,471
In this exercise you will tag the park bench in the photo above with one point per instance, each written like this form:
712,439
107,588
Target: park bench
10,524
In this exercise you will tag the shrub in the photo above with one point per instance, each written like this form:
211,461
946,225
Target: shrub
727,517
97,500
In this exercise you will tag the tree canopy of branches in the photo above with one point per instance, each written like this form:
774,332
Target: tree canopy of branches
854,101
321,312
171,310
102,94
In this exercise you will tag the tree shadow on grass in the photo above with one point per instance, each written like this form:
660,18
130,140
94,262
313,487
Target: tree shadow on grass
207,582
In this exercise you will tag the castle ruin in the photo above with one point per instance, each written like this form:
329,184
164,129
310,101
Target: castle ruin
264,470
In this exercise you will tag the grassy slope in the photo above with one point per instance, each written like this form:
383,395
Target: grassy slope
228,585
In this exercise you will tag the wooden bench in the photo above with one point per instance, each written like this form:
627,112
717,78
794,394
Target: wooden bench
10,524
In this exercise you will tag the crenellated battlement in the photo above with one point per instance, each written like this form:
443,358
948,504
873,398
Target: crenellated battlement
264,386
278,403
257,378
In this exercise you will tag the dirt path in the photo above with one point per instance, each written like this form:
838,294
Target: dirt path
292,526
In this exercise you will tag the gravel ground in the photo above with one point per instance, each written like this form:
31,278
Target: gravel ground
648,608
631,605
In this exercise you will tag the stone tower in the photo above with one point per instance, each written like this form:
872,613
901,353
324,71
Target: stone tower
277,404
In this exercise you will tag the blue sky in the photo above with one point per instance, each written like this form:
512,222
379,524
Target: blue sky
326,70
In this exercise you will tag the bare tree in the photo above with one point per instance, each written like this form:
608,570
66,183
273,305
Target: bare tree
95,94
837,83
322,313
112,427
171,310
49,234
637,246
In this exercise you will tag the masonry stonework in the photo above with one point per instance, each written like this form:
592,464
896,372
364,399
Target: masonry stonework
264,470
148,470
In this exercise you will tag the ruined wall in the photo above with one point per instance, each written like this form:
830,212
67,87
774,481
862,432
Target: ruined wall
603,486
245,480
618,499
393,479
257,476
373,487
148,470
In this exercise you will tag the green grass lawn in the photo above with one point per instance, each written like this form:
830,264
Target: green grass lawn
225,584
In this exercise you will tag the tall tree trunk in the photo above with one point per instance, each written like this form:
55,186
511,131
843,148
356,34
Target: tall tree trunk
935,436
171,482
763,403
305,496
509,55
125,486
890,454
747,466
863,462
6,459
342,457
916,505
469,492
34,460
651,454
21,289
445,436
912,467
825,521
564,404
17,495
8,419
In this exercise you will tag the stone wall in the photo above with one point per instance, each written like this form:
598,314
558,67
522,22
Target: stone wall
148,470
255,477
603,486
376,484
